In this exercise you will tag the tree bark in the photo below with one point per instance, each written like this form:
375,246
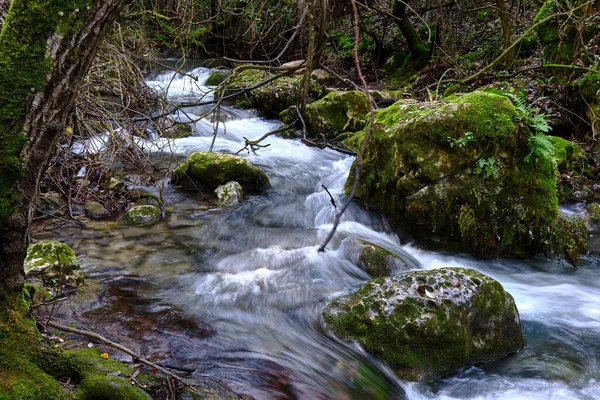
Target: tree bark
416,45
46,49
507,30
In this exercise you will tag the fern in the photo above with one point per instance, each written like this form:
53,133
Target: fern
539,123
541,148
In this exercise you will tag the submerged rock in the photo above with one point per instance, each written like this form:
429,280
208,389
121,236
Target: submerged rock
143,214
379,262
53,261
230,194
453,174
426,324
210,170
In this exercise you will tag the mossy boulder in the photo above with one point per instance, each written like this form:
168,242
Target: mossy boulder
337,112
211,170
452,174
217,77
274,97
379,262
53,261
426,324
143,214
230,194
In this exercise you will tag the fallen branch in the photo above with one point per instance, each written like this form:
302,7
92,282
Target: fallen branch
124,349
363,148
254,144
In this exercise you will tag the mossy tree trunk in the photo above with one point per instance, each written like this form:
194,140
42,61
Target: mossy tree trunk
416,45
46,48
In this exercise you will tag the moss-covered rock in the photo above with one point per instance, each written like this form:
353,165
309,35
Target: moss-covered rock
217,77
274,97
51,203
95,210
143,214
178,130
425,324
379,262
565,153
216,63
338,112
452,174
53,261
230,194
210,170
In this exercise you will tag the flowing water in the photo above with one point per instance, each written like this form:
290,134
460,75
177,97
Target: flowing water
237,293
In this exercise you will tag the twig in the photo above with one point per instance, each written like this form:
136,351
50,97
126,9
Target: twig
330,196
363,148
254,144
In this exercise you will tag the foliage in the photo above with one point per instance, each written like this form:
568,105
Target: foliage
462,141
487,165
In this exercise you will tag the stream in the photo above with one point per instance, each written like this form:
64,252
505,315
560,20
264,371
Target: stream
237,293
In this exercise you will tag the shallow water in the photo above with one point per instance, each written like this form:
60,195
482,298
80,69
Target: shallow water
237,293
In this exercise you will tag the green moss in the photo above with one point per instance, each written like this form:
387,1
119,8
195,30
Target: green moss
144,214
561,37
20,376
414,174
334,114
274,97
23,72
52,261
217,77
376,261
565,152
428,323
210,170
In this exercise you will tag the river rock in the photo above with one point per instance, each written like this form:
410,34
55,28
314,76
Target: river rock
230,194
216,63
426,324
217,77
379,262
338,112
274,97
53,261
178,130
452,174
51,203
210,170
95,210
144,214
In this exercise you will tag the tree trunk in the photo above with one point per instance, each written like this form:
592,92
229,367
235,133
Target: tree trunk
46,48
416,45
507,30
